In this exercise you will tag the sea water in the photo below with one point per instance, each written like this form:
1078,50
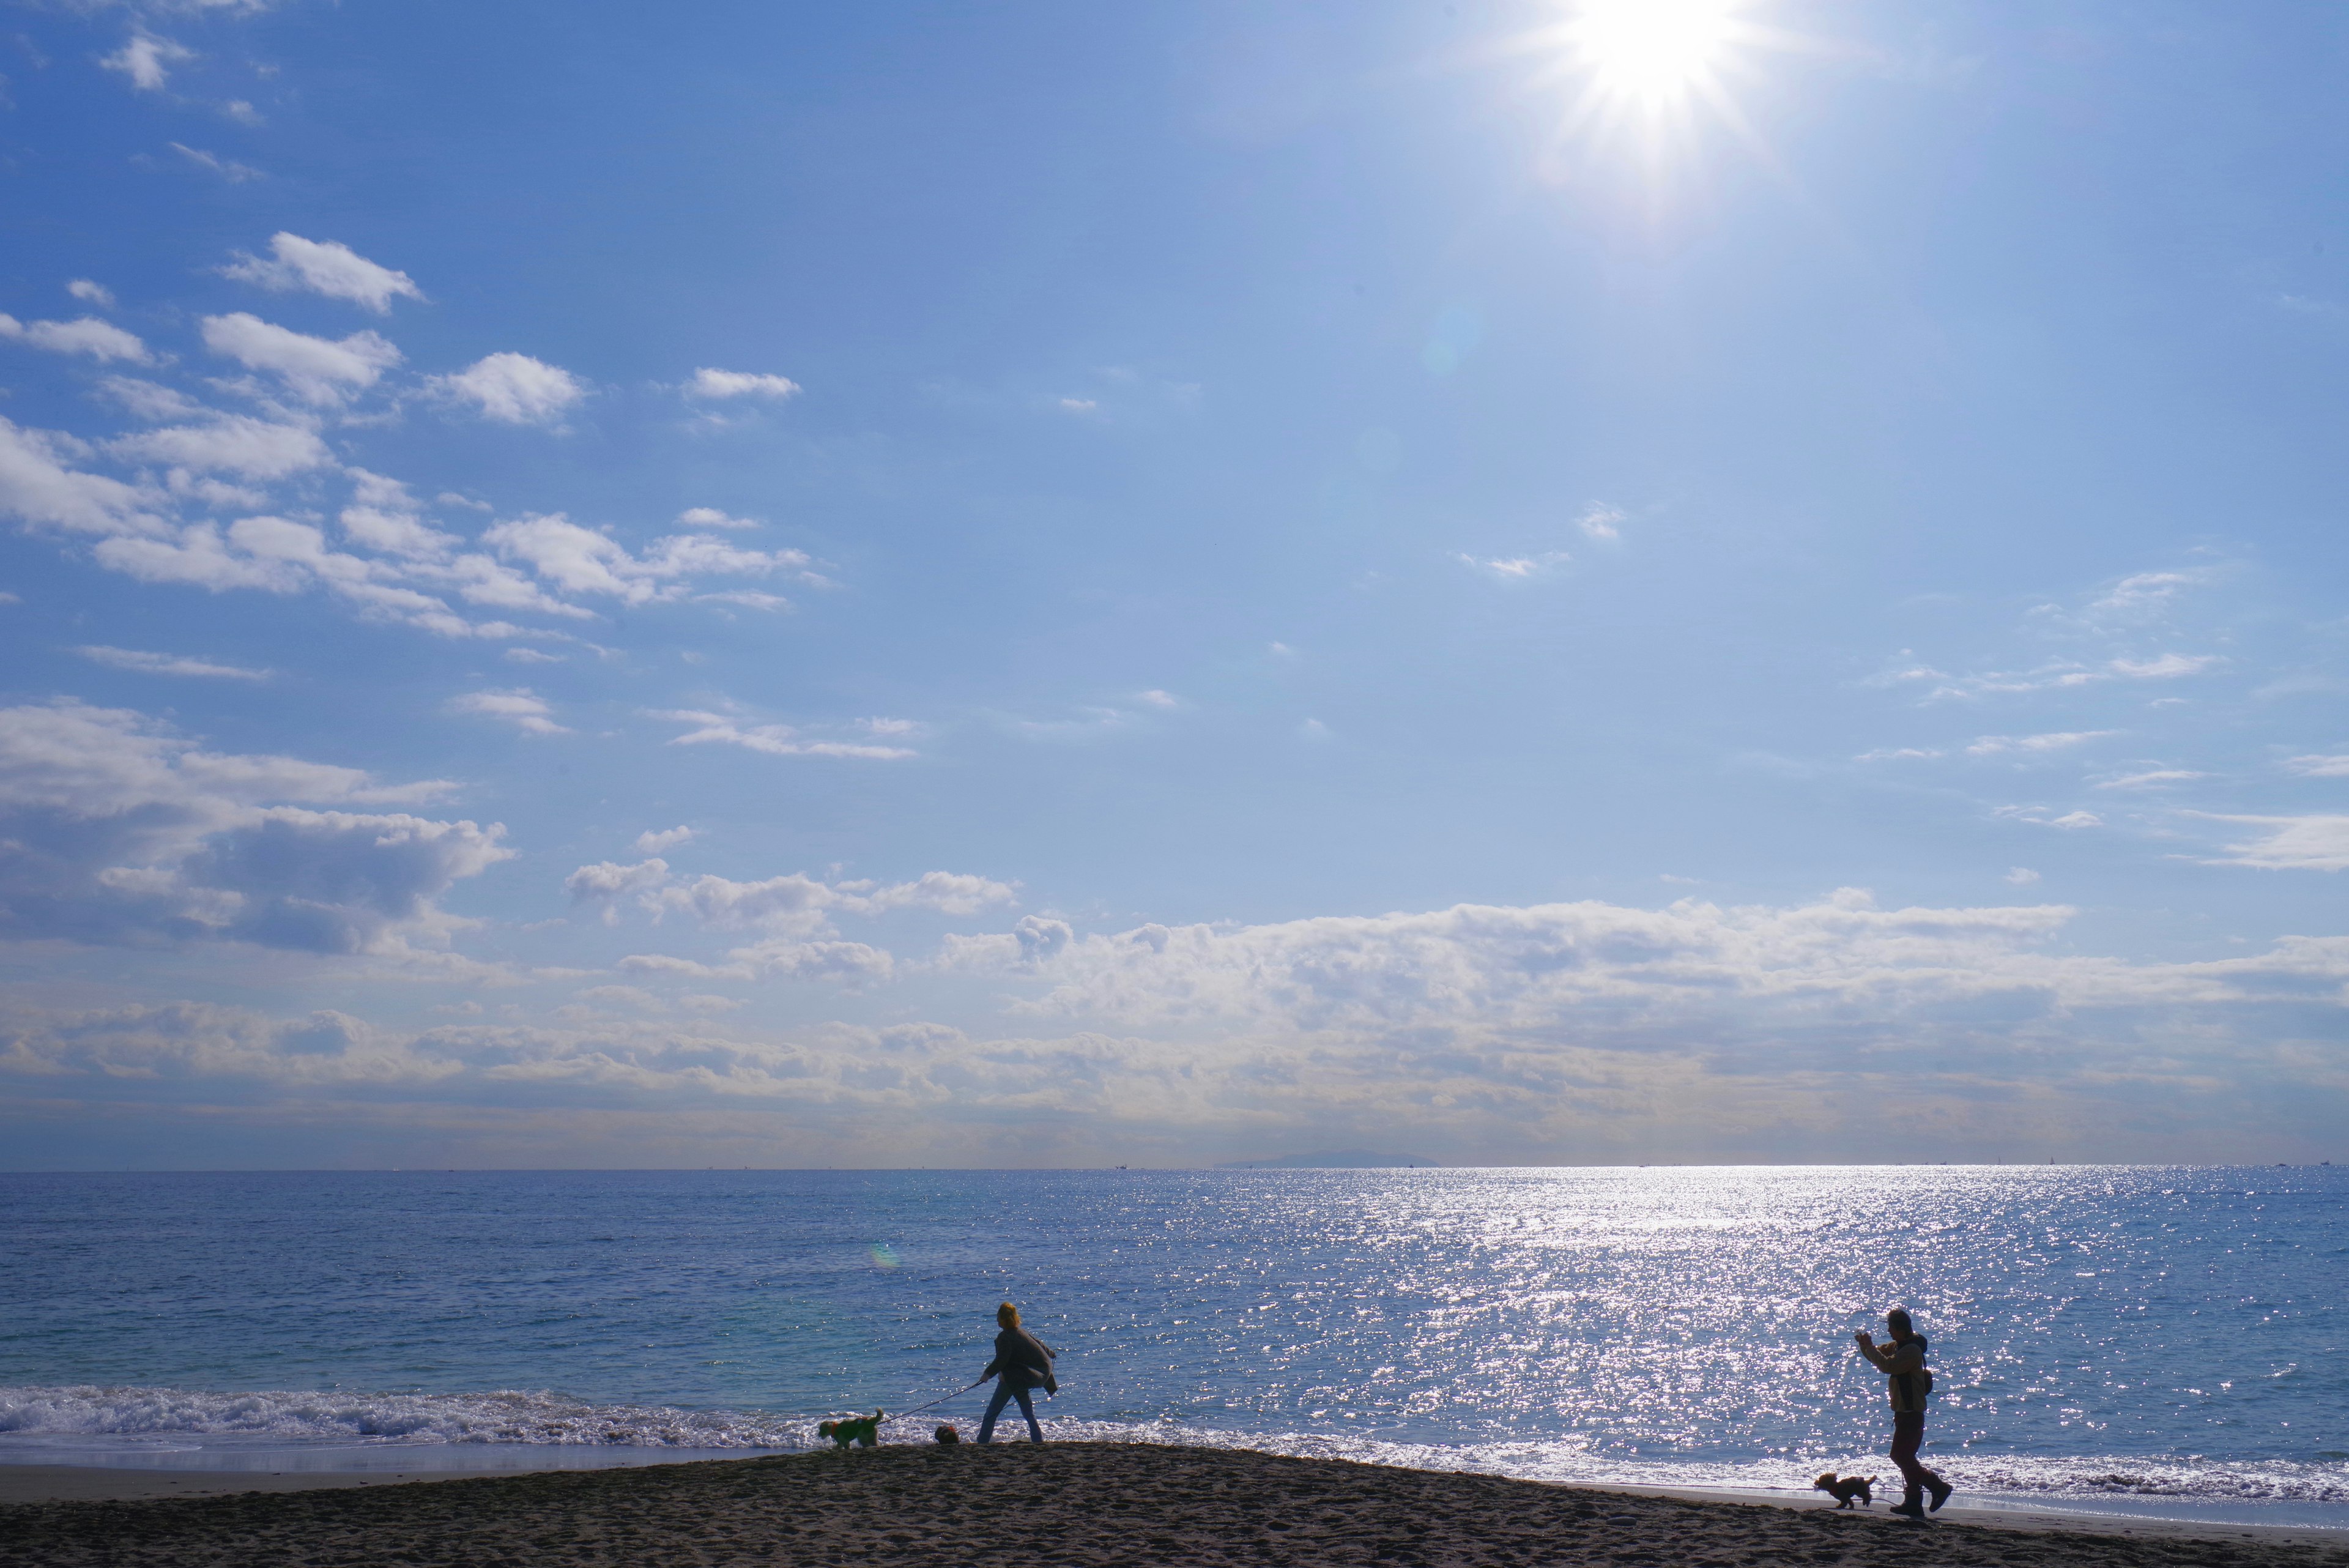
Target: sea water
2166,1339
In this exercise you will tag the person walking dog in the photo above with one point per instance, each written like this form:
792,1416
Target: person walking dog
1022,1364
1910,1383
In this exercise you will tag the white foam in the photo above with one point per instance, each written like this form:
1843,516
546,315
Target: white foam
507,1416
173,1417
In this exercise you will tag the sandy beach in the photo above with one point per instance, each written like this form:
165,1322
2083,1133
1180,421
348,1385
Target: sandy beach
1075,1503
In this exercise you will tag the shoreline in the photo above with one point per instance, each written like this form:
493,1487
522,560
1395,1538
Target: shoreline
314,1518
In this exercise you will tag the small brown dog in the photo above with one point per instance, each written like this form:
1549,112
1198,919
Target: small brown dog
947,1434
864,1430
1846,1489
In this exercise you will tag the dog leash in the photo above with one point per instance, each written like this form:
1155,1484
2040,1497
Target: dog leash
933,1403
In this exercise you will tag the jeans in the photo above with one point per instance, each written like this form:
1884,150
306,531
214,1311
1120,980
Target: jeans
1907,1437
1004,1394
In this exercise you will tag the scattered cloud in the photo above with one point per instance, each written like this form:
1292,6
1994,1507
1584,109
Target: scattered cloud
710,517
1157,698
231,443
774,739
91,293
2021,876
579,560
719,385
2044,817
520,707
314,369
228,168
2010,745
327,267
101,340
2152,779
1516,568
1080,406
792,915
667,838
146,60
115,830
2314,843
149,400
2336,766
169,664
1897,754
1601,522
514,389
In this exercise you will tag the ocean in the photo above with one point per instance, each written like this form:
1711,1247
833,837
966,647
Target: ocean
2161,1340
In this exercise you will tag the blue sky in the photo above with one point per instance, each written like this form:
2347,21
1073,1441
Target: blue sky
1053,584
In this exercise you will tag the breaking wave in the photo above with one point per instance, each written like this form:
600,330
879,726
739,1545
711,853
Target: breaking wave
58,1416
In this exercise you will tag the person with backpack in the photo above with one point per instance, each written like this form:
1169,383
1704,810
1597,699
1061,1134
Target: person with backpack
1911,1383
1022,1362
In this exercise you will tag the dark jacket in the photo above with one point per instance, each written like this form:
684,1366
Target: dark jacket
1021,1360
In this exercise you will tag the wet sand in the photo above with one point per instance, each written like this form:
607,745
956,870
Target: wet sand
1078,1504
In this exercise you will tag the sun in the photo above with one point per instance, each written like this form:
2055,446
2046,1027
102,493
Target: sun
1650,54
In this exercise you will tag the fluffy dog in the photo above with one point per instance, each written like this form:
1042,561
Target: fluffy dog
1846,1489
947,1434
860,1429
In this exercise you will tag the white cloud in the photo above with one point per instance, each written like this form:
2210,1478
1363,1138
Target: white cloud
1517,568
1080,406
37,487
1157,698
1590,968
146,60
91,292
514,389
710,384
748,598
317,369
2004,745
2336,766
241,112
327,267
148,400
774,739
233,444
651,843
101,340
2163,667
710,517
519,706
1313,730
2041,815
1601,521
235,173
169,664
582,561
2315,843
383,516
2152,779
795,911
2143,594
531,656
1897,754
114,830
2021,876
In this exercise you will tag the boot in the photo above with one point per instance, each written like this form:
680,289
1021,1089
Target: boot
1911,1505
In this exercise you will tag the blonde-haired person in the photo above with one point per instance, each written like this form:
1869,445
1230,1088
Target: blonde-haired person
1022,1362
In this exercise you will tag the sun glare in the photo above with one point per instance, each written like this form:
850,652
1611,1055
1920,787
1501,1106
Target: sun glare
1650,52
